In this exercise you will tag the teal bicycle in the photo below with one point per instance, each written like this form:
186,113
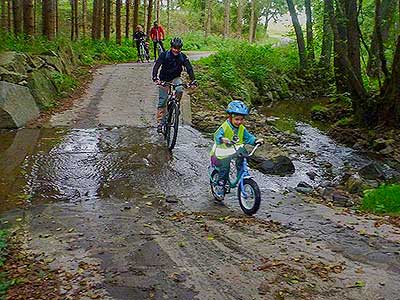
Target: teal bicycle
248,194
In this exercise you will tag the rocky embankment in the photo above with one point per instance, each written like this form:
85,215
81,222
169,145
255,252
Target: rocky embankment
31,83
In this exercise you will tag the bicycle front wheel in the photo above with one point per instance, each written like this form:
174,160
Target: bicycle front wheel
249,197
172,125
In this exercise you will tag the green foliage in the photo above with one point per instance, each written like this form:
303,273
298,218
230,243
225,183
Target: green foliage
319,108
64,83
4,283
249,71
383,200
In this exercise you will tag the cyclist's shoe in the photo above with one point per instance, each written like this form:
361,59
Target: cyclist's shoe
159,128
220,192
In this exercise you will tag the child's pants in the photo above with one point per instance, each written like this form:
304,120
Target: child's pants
225,163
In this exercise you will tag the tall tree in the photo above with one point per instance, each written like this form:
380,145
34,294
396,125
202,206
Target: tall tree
49,18
84,17
158,8
299,34
168,16
136,4
207,19
18,16
384,11
326,48
118,21
107,21
149,15
240,9
253,21
74,20
127,19
227,18
145,16
353,34
29,25
3,21
309,30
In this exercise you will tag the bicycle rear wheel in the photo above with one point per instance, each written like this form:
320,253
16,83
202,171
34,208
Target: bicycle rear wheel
142,53
249,197
172,125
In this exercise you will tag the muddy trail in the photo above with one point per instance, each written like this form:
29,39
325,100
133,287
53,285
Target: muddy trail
96,195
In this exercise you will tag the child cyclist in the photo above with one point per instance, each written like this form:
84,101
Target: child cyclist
223,151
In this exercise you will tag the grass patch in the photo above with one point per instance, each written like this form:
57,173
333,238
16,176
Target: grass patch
382,200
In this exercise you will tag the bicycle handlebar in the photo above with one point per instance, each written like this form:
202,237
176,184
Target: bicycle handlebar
166,83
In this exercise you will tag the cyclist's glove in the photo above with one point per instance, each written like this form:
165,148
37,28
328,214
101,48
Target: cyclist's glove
155,79
193,83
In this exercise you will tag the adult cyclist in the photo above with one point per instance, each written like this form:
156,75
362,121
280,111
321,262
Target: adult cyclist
171,63
157,35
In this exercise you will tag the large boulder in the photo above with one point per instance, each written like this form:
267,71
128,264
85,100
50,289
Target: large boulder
42,88
280,165
11,76
17,105
14,62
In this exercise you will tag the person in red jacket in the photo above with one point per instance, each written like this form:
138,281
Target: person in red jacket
157,35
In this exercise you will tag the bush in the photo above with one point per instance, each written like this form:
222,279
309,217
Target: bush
383,200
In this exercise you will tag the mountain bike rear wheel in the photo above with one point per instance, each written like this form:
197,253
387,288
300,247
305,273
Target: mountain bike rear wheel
249,197
142,54
172,125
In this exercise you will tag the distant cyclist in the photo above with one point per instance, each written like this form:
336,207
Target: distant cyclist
171,63
157,35
139,36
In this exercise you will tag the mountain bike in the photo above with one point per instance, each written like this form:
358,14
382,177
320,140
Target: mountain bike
171,117
143,54
248,193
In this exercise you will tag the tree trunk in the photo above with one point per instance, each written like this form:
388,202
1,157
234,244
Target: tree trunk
72,2
9,9
136,4
326,48
18,17
55,16
240,9
157,2
347,79
353,35
118,21
29,27
127,19
84,17
383,19
252,21
299,35
227,16
149,16
207,23
309,31
48,19
168,16
145,16
107,6
3,15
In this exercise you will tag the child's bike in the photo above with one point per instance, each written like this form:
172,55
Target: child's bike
249,194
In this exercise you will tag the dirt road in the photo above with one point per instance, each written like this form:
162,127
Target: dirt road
125,219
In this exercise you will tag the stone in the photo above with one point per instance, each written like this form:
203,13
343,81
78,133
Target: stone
280,165
311,175
43,90
304,188
17,105
354,184
11,76
371,171
54,62
14,62
341,199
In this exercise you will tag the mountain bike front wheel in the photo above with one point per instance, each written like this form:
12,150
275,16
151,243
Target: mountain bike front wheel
172,125
249,197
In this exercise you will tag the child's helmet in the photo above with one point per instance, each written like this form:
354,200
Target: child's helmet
237,107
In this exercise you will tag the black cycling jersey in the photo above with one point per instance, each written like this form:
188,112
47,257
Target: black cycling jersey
172,66
139,35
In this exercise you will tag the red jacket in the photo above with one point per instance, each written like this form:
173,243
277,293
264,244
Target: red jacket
157,33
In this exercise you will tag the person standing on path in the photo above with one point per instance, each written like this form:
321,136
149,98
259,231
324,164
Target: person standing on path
157,35
171,63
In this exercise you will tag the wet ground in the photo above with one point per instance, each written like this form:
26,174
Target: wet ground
96,193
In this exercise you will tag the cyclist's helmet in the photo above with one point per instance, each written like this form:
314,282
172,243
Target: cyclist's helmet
237,107
177,43
155,23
